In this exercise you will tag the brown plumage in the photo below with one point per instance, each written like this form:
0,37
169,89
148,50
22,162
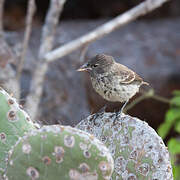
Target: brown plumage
128,76
113,81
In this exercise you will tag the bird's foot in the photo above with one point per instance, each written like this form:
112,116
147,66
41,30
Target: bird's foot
100,111
118,114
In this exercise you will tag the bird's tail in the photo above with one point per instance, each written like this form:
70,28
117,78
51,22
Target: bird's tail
145,83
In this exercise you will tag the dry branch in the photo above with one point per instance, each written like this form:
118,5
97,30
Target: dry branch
50,26
104,29
1,16
47,39
29,18
7,74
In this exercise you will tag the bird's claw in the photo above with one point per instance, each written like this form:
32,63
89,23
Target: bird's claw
117,115
102,110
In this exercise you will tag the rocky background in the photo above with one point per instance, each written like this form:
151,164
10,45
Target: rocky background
150,46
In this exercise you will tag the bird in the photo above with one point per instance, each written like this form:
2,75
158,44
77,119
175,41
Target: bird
111,80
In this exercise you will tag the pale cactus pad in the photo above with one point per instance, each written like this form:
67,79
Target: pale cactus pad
138,152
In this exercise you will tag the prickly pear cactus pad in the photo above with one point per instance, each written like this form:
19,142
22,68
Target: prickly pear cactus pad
14,123
138,152
59,152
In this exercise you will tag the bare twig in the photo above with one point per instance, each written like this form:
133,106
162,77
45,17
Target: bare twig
1,16
148,94
144,96
29,18
105,29
161,99
48,33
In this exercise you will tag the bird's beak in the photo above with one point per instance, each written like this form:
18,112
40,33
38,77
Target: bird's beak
84,67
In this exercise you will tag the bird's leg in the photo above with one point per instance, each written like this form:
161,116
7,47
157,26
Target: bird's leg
124,105
119,113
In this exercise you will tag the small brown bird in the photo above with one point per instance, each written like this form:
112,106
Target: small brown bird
113,81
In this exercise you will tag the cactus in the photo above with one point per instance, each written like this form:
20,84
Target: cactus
14,123
59,152
138,152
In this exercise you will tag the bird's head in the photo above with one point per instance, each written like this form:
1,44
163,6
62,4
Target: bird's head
98,64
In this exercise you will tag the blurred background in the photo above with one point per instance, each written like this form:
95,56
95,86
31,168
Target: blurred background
150,46
85,10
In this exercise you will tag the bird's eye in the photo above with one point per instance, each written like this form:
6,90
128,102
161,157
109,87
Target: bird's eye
94,65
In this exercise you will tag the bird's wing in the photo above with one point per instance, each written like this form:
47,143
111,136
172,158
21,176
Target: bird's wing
126,75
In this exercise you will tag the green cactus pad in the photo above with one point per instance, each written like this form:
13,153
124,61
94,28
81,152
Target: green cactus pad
59,152
138,152
14,123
